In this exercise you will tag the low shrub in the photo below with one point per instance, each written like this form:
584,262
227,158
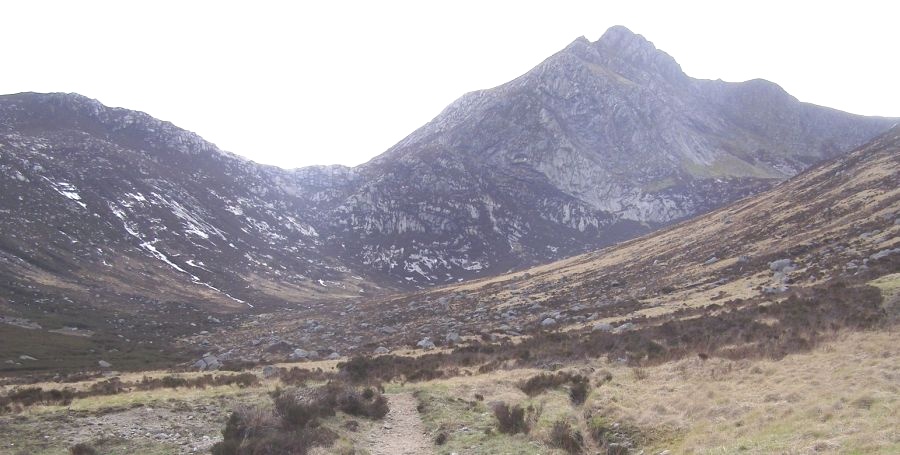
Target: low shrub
200,382
511,420
301,376
567,438
30,396
110,386
299,411
246,433
82,448
579,391
366,404
292,426
384,368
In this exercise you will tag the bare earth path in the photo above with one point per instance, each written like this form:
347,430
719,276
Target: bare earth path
402,432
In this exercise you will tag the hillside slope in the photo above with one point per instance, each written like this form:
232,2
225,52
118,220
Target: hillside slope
836,222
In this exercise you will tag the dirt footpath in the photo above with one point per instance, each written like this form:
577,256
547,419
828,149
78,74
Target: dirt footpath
402,432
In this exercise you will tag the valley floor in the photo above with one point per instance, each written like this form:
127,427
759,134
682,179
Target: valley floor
841,397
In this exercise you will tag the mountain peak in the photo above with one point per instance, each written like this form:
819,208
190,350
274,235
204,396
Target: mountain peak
620,34
626,47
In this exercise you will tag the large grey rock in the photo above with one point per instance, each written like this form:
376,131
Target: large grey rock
104,364
208,363
602,327
624,327
884,253
548,322
426,343
774,289
781,265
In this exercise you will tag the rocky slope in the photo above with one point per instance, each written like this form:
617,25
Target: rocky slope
599,143
113,223
836,223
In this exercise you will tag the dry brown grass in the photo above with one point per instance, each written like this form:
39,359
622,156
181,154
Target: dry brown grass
841,398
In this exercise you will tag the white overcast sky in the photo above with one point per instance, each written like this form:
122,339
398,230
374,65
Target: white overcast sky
326,82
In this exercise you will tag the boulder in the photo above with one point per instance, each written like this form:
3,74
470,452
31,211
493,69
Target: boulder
279,346
782,265
299,354
884,253
453,337
104,364
333,356
776,289
602,327
548,322
380,350
208,363
425,343
623,327
269,371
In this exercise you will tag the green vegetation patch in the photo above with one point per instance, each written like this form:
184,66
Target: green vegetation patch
470,426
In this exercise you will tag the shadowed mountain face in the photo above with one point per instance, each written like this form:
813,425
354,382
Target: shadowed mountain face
110,209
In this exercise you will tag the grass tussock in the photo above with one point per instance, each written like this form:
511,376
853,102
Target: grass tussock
579,385
564,436
516,419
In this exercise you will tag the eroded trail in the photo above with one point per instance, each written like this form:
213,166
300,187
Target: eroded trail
402,432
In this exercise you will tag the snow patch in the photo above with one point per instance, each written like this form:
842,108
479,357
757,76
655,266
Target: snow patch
193,223
68,190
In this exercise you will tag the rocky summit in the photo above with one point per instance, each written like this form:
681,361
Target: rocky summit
600,142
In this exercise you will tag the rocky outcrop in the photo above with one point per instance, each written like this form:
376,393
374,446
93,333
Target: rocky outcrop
600,142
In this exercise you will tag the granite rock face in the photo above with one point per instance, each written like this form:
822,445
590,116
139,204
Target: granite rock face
600,142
